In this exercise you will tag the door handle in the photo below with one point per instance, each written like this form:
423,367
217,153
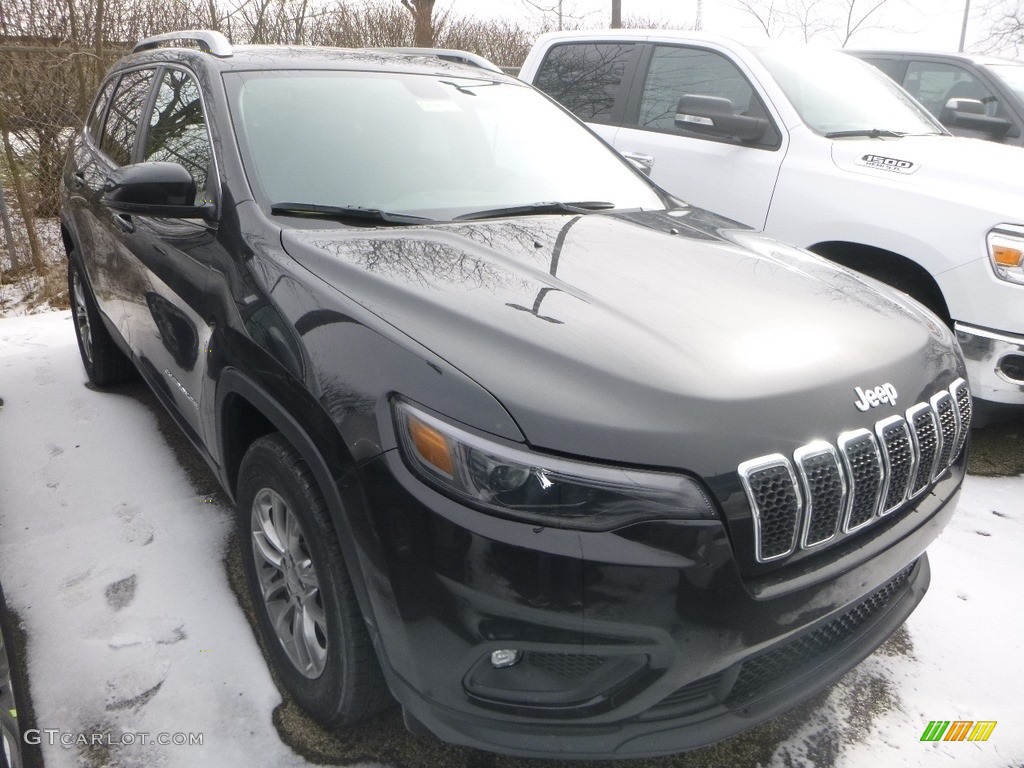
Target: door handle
643,163
123,222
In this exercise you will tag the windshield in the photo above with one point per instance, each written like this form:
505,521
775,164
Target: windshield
1012,75
836,93
434,146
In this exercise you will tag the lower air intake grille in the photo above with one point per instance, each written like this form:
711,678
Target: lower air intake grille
758,674
571,666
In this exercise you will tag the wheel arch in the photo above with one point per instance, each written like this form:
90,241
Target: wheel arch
245,411
66,237
889,267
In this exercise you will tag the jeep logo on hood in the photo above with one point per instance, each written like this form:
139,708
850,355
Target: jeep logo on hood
891,164
885,393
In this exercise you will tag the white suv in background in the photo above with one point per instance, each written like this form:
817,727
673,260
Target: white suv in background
821,150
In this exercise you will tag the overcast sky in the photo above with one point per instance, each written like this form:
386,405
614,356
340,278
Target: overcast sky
904,22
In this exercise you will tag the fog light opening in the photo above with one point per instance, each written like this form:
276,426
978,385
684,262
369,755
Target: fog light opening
505,657
1012,367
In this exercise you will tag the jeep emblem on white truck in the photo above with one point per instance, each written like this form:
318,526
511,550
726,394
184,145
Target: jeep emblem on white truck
886,393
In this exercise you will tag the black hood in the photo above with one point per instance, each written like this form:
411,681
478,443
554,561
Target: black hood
638,337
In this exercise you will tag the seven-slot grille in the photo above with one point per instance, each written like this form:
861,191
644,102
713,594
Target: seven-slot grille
827,491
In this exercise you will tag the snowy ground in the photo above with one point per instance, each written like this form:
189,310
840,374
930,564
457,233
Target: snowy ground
114,563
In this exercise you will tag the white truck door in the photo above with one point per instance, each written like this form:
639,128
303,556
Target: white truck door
731,177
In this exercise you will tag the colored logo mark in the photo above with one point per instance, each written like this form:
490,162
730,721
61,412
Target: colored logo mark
958,730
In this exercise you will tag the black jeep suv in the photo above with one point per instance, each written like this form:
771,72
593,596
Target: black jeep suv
565,465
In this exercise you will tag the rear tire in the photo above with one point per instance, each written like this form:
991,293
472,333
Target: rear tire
104,362
306,608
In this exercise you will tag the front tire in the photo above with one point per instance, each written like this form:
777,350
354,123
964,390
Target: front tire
104,362
306,608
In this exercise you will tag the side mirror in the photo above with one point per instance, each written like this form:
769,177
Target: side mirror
716,116
154,189
970,114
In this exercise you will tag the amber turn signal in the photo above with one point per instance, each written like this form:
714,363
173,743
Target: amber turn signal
1006,257
432,446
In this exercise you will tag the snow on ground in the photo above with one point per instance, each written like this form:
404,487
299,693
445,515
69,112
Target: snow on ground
114,564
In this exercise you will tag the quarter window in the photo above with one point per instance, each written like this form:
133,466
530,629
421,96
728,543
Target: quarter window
123,118
177,127
585,77
96,116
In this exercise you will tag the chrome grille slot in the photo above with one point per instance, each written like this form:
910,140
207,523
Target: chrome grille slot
771,487
942,404
824,494
824,488
863,463
925,433
898,451
964,411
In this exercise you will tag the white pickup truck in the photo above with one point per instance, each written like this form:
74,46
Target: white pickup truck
823,151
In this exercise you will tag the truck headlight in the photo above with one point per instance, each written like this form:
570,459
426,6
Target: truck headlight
547,490
1006,252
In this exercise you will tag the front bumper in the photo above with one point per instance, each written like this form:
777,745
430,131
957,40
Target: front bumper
639,642
995,364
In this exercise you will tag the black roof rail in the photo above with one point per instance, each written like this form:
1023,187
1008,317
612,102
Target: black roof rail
450,54
212,42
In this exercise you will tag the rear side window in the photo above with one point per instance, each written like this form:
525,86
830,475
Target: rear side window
585,77
177,127
123,118
95,121
892,67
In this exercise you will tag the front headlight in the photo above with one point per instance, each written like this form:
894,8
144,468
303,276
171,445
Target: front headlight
547,490
1006,252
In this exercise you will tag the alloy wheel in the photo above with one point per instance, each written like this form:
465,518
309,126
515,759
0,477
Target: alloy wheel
288,582
81,315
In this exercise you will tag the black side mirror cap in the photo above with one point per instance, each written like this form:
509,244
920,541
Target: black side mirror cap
155,189
716,116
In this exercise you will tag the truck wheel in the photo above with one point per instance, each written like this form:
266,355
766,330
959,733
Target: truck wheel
104,362
306,608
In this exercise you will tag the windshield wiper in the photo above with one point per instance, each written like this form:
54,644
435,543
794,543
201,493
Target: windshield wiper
343,212
582,206
868,133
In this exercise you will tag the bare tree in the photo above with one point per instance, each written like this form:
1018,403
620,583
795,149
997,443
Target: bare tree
808,19
859,15
1006,28
767,16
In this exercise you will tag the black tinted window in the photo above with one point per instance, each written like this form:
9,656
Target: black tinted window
177,127
585,77
675,72
123,117
891,67
96,116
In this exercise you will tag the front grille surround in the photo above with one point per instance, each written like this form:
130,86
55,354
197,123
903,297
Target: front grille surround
924,430
827,492
945,408
900,464
771,540
862,460
824,488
